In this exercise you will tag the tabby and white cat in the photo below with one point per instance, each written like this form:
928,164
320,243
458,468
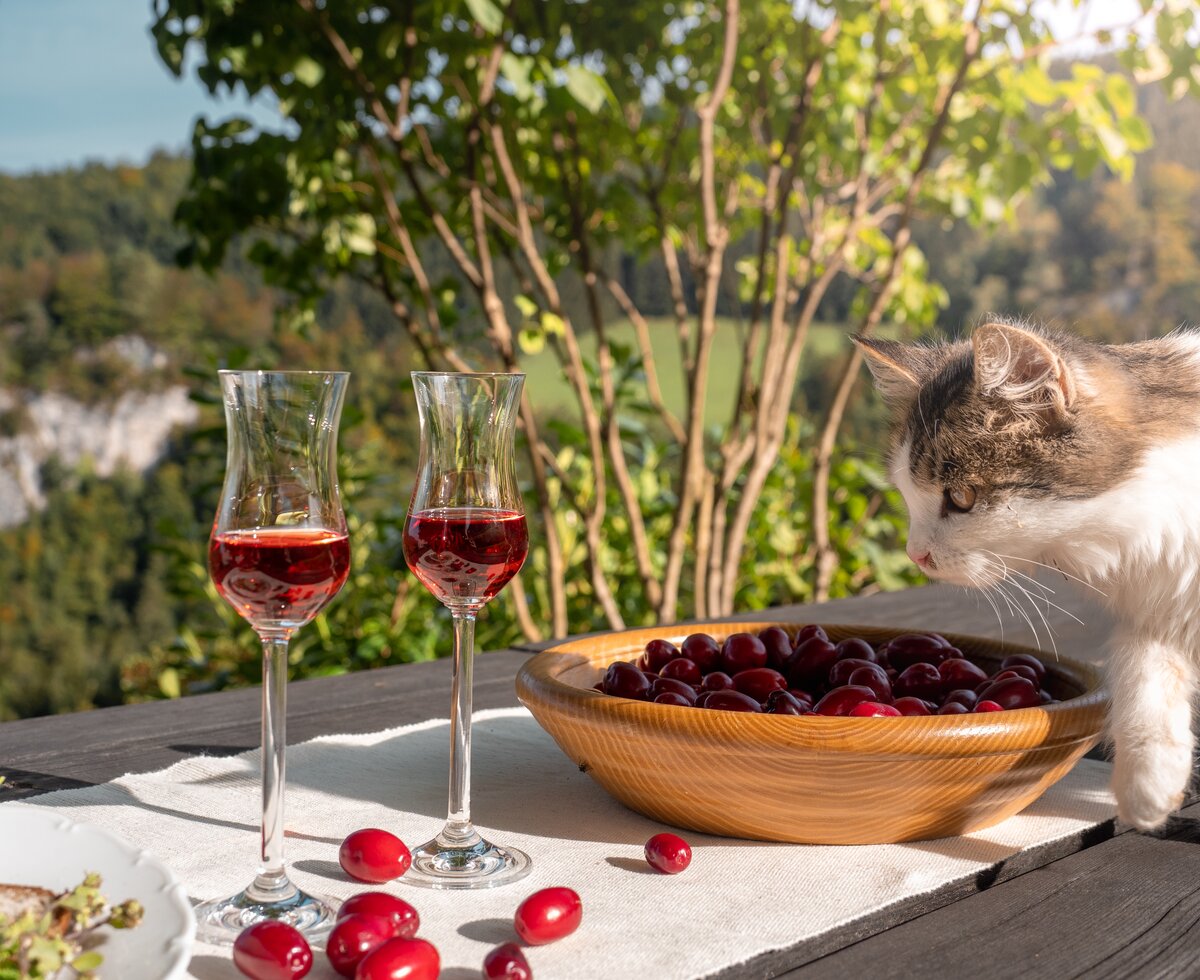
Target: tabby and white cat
1024,446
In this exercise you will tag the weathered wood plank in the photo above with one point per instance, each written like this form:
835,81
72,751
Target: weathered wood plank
1126,908
60,752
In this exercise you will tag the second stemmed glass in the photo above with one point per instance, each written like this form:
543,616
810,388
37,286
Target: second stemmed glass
464,538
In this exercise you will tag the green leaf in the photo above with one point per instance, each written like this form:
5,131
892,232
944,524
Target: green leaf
553,324
589,89
487,15
308,72
527,306
1120,96
517,71
87,961
532,341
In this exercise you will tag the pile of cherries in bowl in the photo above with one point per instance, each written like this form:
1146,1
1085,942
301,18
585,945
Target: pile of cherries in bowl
772,672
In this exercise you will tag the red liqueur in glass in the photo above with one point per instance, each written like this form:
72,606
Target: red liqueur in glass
465,555
279,577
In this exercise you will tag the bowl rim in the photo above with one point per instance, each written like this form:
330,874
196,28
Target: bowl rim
941,735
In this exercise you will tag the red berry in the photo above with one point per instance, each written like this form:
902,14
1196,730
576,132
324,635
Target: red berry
374,855
920,680
873,709
840,672
506,962
401,959
659,653
856,648
1025,660
403,915
272,951
779,647
759,682
953,708
675,700
353,937
916,648
702,650
718,680
785,703
728,701
811,662
957,673
666,685
681,669
967,698
668,853
547,915
808,632
624,680
873,676
840,700
742,651
988,706
911,706
1011,692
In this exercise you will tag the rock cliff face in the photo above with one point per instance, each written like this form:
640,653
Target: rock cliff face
131,432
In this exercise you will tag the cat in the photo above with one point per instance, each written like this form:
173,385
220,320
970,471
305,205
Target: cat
1025,446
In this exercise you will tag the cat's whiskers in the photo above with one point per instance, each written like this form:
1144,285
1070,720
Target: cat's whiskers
1056,569
982,589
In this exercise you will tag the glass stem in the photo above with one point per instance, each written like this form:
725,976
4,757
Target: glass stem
458,832
272,882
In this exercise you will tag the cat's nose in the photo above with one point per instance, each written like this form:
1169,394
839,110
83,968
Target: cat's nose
923,559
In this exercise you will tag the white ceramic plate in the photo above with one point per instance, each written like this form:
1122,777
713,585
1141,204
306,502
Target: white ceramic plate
42,848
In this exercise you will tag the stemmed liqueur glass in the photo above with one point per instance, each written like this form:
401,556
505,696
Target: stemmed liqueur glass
464,538
278,553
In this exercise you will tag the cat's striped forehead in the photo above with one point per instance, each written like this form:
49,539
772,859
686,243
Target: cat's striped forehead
1130,399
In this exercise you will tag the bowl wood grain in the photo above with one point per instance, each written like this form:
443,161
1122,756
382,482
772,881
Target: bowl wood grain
811,779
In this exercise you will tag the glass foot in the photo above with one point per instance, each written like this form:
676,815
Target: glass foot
221,920
482,865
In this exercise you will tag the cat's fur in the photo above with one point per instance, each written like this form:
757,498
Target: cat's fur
1085,457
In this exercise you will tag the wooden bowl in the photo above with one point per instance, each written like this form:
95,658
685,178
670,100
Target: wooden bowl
811,779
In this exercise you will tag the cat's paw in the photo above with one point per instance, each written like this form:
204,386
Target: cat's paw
1151,786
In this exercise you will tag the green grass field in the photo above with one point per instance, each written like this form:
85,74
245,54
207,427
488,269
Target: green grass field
551,392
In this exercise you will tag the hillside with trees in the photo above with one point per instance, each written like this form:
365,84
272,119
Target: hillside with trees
104,594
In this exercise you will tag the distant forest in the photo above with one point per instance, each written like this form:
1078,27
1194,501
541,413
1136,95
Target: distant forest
103,594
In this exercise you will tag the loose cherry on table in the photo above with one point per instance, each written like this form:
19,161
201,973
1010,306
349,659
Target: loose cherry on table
401,959
668,853
353,937
506,962
374,855
403,915
272,951
545,916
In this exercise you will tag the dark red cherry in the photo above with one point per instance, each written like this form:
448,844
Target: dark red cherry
840,700
668,853
272,951
702,650
374,855
659,653
872,709
953,708
624,680
840,672
702,699
1046,697
401,959
353,937
802,695
786,703
872,676
1025,660
779,647
681,669
915,648
808,632
671,698
911,707
664,685
1023,670
988,706
811,662
506,962
957,672
1012,692
728,701
919,680
548,915
856,648
759,682
403,915
718,680
742,651
964,696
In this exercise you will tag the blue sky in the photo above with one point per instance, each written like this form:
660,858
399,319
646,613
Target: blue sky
80,79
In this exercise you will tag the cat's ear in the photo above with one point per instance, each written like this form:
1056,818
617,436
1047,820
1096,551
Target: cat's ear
1024,369
899,369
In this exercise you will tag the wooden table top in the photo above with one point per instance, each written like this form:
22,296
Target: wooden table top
1106,904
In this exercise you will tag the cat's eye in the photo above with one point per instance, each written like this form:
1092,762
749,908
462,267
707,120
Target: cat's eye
959,499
